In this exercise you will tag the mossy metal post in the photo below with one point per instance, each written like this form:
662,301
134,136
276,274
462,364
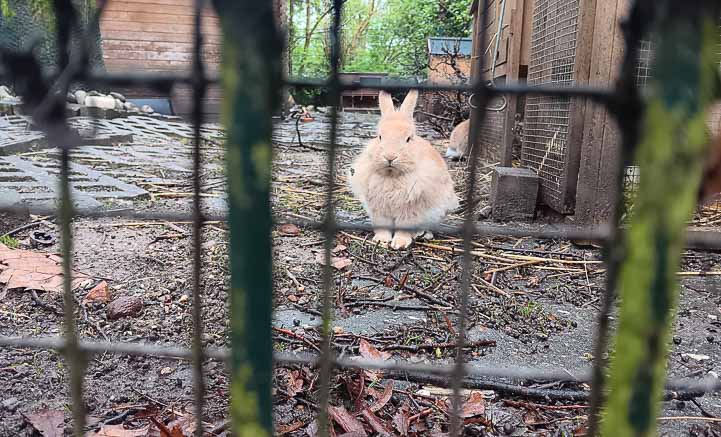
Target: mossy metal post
251,79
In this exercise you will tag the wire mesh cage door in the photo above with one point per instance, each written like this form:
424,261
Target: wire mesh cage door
553,124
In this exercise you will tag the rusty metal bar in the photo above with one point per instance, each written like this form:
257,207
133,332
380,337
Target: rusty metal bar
199,89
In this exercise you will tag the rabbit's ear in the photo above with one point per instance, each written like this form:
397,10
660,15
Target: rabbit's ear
409,103
385,101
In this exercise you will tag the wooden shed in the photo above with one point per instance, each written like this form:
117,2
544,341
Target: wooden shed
360,99
511,53
156,37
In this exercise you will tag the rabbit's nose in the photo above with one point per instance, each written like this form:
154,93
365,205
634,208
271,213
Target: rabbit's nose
390,158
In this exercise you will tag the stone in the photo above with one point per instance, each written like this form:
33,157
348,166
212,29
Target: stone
130,106
126,306
117,96
72,110
96,94
514,193
147,109
119,105
99,113
5,93
103,102
485,212
10,404
70,98
80,96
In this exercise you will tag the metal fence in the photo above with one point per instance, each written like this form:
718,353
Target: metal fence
249,28
547,118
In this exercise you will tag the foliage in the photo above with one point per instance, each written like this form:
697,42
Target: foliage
8,241
377,35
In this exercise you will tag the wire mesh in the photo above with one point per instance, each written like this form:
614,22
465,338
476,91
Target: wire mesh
546,123
549,93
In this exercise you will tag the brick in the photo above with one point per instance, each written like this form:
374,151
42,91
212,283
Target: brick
514,193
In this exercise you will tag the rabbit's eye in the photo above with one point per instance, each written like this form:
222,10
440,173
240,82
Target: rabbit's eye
408,140
379,138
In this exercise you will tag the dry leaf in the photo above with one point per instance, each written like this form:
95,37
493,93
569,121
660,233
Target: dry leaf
346,421
99,293
369,352
384,398
375,423
119,431
289,230
400,420
475,405
338,248
338,263
28,270
295,383
184,426
287,429
48,423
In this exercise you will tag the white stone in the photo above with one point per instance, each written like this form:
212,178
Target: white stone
5,93
102,102
119,105
118,96
147,109
80,96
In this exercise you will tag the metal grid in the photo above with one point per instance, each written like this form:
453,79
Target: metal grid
546,124
624,99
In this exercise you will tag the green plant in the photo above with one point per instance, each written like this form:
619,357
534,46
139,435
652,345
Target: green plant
9,241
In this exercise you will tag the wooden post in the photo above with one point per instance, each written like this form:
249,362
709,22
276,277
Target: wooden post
513,65
600,149
581,70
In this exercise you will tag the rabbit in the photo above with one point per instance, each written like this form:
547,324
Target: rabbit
400,179
458,143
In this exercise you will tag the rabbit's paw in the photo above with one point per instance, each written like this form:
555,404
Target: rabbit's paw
401,240
383,237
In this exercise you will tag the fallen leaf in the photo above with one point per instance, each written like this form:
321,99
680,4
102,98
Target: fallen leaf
346,421
312,429
99,293
119,431
184,426
48,423
383,399
28,270
401,422
474,406
338,248
295,383
375,423
369,352
388,281
287,429
289,230
337,263
293,298
338,330
165,371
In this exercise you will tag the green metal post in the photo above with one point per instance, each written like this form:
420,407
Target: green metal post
251,77
670,154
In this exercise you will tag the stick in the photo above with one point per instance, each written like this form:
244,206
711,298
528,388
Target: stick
299,337
490,286
419,347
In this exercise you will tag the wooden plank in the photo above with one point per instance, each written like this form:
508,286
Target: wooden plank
123,35
601,147
157,17
527,32
165,28
581,72
179,7
151,55
157,46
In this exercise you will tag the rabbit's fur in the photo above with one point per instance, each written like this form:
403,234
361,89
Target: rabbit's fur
400,178
458,143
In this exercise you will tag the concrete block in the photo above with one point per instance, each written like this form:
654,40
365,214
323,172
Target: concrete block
514,192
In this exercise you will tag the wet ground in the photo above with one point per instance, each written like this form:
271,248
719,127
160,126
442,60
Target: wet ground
533,303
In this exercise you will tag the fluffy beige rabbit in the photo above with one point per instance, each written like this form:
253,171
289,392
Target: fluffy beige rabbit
458,143
400,178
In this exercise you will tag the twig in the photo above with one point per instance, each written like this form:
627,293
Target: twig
50,307
514,266
296,336
696,418
489,286
531,405
418,347
32,224
396,306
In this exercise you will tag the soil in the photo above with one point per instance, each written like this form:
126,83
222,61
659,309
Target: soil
540,315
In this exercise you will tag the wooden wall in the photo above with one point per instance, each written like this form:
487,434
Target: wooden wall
156,37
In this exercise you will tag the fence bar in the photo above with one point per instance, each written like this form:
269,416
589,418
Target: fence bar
671,153
477,117
628,112
199,87
326,368
251,76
